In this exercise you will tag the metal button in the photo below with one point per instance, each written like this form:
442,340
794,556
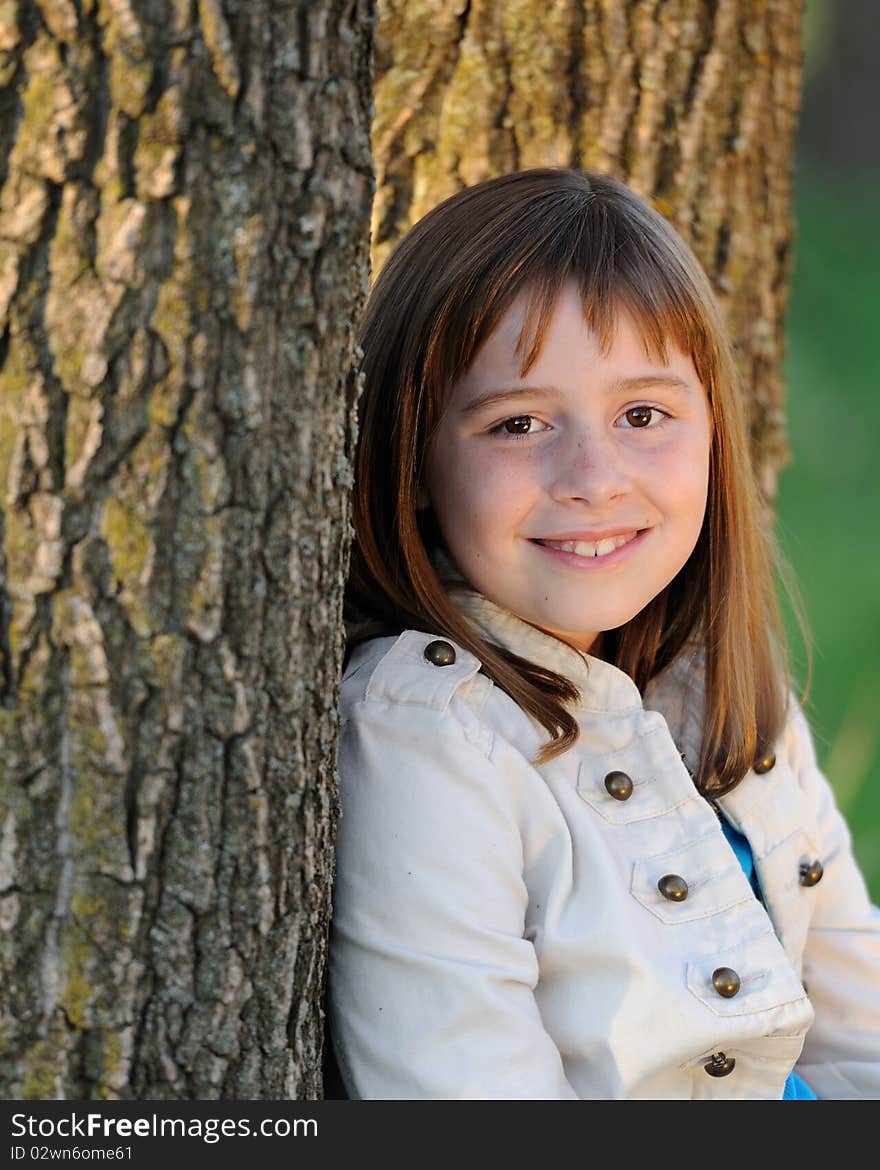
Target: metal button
811,873
725,981
440,653
619,785
764,765
673,887
720,1065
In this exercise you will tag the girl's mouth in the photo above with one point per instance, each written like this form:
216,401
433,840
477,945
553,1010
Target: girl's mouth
584,554
587,548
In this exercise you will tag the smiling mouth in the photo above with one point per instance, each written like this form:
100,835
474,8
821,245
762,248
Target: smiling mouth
587,548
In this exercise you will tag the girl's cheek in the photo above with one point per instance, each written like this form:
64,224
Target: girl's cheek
502,463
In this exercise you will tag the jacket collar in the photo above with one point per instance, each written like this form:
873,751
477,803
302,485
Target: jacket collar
676,691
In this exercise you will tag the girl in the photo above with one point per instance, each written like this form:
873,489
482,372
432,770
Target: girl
585,850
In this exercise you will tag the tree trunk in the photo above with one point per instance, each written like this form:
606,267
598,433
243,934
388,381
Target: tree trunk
185,194
692,102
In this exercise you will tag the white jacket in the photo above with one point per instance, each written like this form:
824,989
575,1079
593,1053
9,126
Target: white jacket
498,930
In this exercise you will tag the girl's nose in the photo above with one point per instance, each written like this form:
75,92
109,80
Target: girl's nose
593,468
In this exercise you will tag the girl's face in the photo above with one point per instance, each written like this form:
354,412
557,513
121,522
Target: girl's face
611,451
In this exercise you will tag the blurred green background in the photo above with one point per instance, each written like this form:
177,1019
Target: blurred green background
828,497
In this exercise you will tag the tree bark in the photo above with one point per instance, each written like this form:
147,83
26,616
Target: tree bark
692,102
185,192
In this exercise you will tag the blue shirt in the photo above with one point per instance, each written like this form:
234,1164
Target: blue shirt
796,1089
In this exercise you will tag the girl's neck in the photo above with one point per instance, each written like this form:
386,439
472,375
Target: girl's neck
597,649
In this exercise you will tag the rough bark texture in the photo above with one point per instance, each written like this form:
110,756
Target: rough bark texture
185,190
693,102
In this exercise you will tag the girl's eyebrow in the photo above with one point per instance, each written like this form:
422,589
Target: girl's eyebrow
642,382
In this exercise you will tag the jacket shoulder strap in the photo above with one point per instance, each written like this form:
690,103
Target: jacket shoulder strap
421,669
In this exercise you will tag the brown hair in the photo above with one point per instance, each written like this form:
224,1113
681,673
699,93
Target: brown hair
435,302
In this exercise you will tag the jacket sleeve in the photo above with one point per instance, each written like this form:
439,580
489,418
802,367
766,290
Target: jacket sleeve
841,1055
430,987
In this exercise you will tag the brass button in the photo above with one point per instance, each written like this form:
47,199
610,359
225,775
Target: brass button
720,1065
764,765
725,981
440,653
811,873
619,785
673,887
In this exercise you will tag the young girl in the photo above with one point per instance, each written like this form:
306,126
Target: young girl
585,850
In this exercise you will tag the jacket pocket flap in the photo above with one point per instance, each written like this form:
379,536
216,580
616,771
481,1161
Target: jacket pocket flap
650,761
712,876
766,978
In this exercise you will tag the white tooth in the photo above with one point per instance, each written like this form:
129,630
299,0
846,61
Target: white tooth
584,548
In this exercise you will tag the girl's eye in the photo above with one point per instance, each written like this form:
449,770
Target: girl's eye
640,416
518,419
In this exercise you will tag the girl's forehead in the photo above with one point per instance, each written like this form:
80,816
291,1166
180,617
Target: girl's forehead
523,310
510,338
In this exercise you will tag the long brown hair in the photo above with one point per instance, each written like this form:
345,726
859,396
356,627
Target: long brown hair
435,302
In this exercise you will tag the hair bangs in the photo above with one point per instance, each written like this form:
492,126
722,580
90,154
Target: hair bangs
615,269
508,270
673,318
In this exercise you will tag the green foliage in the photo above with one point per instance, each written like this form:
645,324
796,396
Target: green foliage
817,37
830,495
